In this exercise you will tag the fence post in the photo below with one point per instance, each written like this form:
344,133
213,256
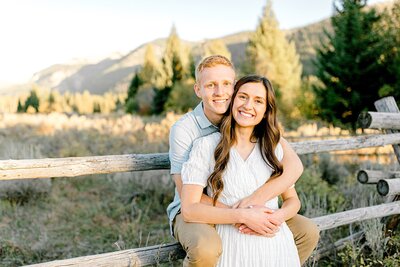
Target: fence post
388,104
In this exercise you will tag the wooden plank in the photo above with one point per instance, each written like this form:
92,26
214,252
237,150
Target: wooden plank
388,104
347,217
309,147
131,257
388,187
373,177
379,120
163,253
77,166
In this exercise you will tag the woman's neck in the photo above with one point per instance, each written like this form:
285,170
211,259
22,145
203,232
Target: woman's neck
243,135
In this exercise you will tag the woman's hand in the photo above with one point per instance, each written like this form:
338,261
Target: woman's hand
259,220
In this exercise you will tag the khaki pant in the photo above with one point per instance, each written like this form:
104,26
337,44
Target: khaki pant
203,245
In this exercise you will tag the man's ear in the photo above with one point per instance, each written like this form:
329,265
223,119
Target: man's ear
196,89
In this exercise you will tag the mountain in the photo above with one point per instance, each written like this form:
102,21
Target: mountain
115,72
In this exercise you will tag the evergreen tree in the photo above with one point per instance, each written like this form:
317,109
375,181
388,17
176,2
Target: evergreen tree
118,105
174,66
269,53
192,66
348,65
172,57
216,47
391,57
182,98
96,107
160,98
32,101
151,71
20,108
51,101
132,91
134,86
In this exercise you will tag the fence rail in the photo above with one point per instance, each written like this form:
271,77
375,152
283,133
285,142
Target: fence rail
77,166
70,167
163,253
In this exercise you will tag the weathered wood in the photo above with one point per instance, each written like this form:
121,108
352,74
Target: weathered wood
309,147
346,217
132,257
379,120
388,104
372,177
77,166
389,187
162,253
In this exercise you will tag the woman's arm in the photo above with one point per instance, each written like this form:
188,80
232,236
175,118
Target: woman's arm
290,206
258,219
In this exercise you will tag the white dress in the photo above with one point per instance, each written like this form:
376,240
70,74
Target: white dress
241,179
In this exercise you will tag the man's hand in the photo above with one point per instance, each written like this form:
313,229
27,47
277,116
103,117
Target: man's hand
248,231
253,200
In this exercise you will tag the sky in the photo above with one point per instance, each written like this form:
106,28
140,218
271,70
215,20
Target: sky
36,34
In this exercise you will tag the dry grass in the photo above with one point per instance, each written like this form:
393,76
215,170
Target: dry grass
102,213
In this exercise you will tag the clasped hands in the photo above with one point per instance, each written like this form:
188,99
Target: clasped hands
259,220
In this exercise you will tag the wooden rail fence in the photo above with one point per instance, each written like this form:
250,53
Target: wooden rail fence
70,167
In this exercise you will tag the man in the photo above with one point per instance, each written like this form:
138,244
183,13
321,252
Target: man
215,78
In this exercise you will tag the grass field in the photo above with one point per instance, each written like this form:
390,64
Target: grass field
42,220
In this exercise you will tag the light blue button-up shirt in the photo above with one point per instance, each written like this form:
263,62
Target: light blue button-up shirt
188,128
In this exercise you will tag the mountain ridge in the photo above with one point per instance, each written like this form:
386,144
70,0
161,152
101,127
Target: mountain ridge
115,73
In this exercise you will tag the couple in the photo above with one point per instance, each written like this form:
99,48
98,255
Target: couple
245,168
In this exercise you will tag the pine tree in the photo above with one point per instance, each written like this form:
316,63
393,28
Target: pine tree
32,101
132,91
151,71
174,65
20,108
216,47
172,57
192,66
134,86
96,107
50,103
348,65
391,41
269,53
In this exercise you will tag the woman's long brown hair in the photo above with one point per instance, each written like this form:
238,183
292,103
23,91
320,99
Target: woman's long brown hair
267,134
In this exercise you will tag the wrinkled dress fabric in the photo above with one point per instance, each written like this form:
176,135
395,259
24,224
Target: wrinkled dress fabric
241,179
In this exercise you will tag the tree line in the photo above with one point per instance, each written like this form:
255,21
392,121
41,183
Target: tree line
356,63
42,101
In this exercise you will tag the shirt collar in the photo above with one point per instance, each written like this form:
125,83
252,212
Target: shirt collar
201,117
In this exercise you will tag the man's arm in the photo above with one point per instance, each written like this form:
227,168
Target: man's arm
204,198
180,145
292,170
258,218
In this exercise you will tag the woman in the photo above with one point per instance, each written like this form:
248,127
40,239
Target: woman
232,165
